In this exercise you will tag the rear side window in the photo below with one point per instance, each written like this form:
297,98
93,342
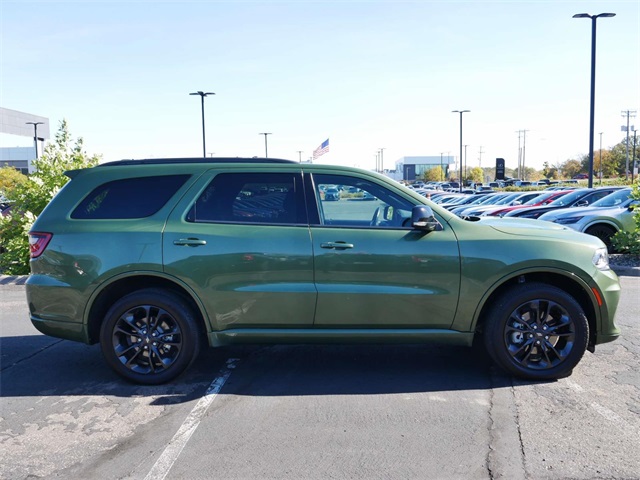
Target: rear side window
275,198
129,198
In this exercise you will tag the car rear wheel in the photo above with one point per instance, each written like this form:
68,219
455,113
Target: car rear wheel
536,331
604,233
150,336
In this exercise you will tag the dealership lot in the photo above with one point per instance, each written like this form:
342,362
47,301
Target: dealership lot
316,412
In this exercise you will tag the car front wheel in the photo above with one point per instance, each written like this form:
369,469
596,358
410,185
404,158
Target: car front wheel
150,336
536,331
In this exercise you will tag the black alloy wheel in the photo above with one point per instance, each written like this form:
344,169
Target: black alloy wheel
604,233
150,336
537,331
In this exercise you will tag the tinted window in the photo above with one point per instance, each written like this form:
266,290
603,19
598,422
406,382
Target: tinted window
129,198
251,198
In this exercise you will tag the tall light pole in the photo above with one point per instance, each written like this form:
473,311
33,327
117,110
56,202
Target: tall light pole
441,170
202,95
593,83
299,156
460,112
266,153
35,134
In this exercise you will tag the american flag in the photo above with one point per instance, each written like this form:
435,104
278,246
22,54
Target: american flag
322,149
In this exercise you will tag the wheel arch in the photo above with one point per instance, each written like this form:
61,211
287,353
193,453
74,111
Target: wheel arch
568,283
120,286
604,222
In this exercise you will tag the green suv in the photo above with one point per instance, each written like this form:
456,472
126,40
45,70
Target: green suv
155,258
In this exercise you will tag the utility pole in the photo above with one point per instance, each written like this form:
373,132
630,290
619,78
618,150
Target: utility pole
600,169
480,152
465,161
521,150
441,169
299,156
628,114
382,159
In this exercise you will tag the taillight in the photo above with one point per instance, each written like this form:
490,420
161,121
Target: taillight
38,241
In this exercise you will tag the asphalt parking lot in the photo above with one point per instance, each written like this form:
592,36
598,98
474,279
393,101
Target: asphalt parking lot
315,412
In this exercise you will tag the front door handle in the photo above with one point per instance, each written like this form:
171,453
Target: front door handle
190,242
336,245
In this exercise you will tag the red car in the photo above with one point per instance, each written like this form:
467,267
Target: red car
581,176
541,199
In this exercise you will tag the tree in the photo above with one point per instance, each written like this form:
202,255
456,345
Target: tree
10,178
476,174
570,168
30,197
434,174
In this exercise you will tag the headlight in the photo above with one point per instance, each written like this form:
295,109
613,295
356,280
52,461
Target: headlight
601,259
568,220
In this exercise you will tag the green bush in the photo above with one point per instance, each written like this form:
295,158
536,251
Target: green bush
629,242
30,197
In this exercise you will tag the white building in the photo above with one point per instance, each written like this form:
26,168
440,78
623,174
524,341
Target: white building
15,130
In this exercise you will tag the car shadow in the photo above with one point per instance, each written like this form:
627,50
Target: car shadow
42,366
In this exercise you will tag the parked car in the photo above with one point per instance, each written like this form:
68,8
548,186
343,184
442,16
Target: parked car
540,198
581,176
153,258
332,193
577,198
602,219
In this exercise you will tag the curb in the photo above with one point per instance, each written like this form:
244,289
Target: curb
13,279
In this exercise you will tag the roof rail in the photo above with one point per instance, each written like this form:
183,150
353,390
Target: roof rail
161,161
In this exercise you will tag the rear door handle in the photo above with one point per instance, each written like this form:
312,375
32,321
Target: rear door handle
190,242
336,245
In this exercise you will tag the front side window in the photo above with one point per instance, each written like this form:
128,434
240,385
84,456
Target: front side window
129,197
275,198
356,202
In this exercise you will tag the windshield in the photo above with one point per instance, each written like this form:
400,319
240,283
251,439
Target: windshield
615,199
508,199
569,198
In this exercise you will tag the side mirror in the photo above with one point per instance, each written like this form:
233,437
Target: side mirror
422,218
634,205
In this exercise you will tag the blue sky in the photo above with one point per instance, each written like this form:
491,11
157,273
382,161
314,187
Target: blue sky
365,74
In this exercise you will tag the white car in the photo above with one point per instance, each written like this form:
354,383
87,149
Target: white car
601,219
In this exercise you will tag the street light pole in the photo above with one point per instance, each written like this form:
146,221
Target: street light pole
266,153
593,83
35,134
441,170
460,112
202,95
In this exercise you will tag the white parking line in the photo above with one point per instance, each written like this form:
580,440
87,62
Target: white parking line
182,436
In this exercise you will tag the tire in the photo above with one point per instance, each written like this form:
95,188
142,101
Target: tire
150,336
536,331
604,233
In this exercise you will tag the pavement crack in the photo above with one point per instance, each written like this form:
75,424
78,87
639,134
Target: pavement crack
28,357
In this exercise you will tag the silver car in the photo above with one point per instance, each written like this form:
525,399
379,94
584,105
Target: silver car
601,219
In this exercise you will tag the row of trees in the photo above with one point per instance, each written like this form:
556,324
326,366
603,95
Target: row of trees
612,163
